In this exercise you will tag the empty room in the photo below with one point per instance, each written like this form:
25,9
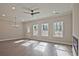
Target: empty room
39,29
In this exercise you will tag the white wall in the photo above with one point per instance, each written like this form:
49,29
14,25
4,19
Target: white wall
8,32
76,22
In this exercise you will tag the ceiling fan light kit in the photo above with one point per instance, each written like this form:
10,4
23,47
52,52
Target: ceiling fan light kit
13,8
32,11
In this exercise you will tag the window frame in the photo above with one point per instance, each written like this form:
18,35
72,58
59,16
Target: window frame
58,32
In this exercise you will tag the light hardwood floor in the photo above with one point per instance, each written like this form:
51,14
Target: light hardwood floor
26,47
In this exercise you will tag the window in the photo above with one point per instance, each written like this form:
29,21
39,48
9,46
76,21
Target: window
58,29
35,30
44,29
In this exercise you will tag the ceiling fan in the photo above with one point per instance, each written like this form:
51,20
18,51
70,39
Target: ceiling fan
31,11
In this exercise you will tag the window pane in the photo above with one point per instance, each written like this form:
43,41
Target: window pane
35,30
44,29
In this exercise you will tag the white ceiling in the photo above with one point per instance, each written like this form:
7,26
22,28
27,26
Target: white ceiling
45,10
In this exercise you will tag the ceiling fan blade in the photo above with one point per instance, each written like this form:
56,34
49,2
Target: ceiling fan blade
36,9
27,12
36,12
26,8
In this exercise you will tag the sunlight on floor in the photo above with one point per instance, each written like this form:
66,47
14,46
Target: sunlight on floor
61,50
62,53
59,47
41,46
18,41
28,43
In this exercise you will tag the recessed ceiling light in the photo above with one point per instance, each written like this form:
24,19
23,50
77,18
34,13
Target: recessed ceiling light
13,8
54,12
3,15
23,20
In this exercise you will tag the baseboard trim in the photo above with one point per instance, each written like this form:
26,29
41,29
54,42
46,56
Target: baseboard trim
10,39
51,41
